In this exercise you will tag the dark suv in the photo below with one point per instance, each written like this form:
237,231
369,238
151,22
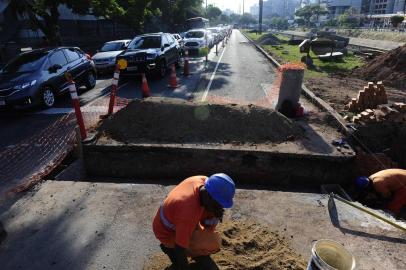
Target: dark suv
38,76
151,53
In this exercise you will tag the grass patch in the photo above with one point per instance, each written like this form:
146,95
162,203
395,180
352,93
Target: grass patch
286,53
254,36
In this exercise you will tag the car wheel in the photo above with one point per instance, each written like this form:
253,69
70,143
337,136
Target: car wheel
48,97
162,69
90,80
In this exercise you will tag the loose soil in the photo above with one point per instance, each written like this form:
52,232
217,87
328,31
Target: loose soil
246,245
389,67
269,39
338,90
166,120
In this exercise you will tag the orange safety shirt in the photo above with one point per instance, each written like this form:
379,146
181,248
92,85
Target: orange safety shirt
182,208
389,181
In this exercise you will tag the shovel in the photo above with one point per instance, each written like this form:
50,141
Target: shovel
331,208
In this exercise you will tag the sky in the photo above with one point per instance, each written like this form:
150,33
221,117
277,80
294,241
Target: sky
233,4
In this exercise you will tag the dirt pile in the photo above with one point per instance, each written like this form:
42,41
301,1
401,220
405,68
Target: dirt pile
165,120
389,67
246,246
269,39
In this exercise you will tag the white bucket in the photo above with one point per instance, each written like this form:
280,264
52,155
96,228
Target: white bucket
330,255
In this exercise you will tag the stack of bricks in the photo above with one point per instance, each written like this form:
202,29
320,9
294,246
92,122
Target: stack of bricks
395,113
369,98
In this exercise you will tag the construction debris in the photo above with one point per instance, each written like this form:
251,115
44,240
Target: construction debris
395,113
369,98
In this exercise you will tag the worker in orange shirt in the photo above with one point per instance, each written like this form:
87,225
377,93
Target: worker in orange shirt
391,185
185,222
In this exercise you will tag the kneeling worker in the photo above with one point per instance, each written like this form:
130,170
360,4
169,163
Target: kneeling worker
391,185
185,222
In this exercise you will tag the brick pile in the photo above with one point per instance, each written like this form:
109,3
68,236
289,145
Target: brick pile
369,98
395,113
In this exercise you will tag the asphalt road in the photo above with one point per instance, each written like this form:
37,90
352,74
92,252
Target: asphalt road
242,74
237,72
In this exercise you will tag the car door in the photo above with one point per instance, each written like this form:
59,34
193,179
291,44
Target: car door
173,50
167,51
76,65
57,76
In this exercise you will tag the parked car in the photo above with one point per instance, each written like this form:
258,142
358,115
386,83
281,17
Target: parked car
150,53
37,77
216,34
105,58
196,39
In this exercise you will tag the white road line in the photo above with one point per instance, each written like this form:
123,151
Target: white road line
212,77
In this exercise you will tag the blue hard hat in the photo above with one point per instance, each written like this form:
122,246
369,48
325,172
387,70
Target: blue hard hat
362,182
221,188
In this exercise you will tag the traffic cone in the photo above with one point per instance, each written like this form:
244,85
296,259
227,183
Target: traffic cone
145,88
186,71
173,83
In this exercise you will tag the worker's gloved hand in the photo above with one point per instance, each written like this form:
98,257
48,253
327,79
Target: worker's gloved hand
181,258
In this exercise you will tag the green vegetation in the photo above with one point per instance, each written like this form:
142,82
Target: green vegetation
286,53
396,20
390,36
311,13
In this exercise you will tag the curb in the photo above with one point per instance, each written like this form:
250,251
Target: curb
307,92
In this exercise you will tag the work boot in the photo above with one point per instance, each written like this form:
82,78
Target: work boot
205,263
171,254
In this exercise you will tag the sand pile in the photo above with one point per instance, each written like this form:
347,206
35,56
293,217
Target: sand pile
389,67
269,39
179,121
246,245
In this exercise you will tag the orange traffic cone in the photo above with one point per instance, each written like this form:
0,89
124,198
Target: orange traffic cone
173,83
186,64
145,88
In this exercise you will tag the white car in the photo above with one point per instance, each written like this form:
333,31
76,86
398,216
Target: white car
105,58
197,39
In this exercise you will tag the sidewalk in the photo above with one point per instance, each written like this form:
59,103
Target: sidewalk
384,45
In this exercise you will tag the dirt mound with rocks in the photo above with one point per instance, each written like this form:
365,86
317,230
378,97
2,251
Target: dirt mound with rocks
246,245
389,67
269,39
166,120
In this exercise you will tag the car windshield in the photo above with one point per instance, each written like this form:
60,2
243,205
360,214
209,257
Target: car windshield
112,46
27,62
148,42
195,34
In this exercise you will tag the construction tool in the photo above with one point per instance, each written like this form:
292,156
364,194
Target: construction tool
333,196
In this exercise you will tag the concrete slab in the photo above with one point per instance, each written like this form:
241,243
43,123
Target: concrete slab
80,225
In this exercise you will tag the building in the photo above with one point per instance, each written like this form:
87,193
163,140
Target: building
254,10
387,6
281,8
366,7
228,12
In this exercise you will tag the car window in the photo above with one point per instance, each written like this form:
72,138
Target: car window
195,34
145,42
112,46
72,55
164,40
27,62
58,58
170,39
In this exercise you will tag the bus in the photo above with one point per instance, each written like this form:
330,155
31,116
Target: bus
198,22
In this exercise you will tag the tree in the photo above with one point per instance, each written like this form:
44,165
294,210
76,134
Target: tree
279,23
350,18
213,12
247,18
396,20
307,12
44,14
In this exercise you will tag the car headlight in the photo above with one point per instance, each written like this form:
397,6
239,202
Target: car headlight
151,56
111,59
25,85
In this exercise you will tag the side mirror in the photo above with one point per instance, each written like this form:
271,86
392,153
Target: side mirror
54,68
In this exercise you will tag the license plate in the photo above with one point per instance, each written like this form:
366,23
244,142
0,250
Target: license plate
132,68
2,103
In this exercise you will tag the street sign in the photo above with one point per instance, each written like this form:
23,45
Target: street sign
122,64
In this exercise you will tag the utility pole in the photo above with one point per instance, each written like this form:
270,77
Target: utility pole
206,10
243,7
261,3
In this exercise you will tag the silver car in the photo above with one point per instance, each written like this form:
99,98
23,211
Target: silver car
105,58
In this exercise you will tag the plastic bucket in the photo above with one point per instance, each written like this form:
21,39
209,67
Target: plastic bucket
330,255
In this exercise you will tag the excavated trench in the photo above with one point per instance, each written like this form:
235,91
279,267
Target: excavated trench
161,138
